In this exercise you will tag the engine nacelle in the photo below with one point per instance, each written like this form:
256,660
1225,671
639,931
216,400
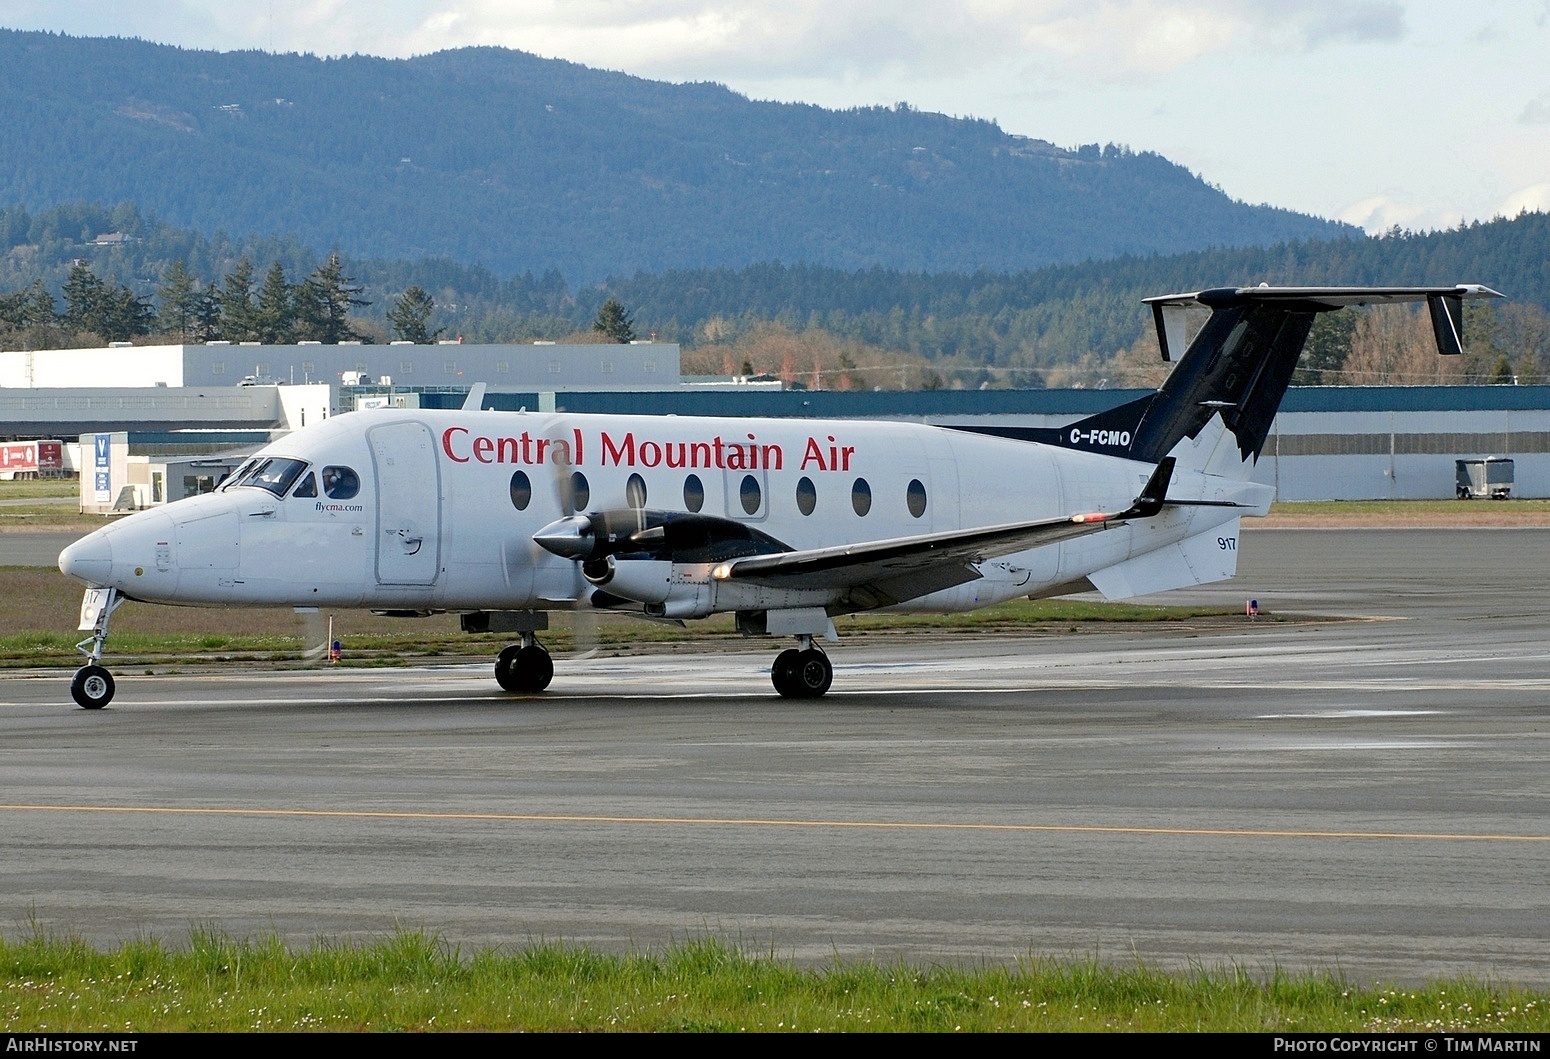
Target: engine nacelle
646,580
691,601
666,589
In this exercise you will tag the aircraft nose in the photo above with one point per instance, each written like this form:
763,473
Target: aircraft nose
89,559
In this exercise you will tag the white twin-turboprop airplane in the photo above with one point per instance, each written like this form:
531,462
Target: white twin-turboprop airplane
504,516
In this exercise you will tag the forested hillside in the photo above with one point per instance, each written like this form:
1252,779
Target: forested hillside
1045,317
1064,325
521,164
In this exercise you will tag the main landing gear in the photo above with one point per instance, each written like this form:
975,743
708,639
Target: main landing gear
802,672
93,687
524,668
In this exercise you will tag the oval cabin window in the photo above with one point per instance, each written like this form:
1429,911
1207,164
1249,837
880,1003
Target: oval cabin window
807,496
751,495
694,494
521,491
861,496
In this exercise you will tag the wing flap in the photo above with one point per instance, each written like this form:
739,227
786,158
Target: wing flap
882,573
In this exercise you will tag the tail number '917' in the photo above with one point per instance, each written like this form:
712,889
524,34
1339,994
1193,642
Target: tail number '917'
1227,544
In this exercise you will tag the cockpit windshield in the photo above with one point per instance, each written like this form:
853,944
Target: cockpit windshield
235,478
274,474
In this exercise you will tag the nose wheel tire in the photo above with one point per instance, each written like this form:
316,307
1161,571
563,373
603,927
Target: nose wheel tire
802,674
524,670
92,688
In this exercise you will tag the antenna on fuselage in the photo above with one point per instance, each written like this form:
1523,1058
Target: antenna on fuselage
475,400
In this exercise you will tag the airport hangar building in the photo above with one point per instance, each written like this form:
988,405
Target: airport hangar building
178,417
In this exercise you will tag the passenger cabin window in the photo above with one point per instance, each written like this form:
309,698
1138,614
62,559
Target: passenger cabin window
807,496
521,491
635,492
694,493
580,491
750,494
915,497
861,496
340,483
308,486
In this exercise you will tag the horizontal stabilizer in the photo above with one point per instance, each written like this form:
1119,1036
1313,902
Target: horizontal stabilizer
1241,361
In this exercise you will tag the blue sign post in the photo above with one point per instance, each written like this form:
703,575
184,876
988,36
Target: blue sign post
103,452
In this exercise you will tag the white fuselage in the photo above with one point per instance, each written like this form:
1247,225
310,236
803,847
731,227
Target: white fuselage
444,504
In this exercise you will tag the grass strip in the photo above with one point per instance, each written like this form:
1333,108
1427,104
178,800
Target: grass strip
415,981
44,604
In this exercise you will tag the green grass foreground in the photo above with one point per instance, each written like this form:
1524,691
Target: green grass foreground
415,982
147,634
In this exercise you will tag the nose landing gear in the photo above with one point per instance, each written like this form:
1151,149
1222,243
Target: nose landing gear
802,672
92,688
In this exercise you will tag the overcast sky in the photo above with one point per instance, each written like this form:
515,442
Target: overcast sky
1420,113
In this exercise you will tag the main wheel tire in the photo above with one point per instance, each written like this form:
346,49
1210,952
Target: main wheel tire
524,670
783,673
534,669
503,663
92,688
814,673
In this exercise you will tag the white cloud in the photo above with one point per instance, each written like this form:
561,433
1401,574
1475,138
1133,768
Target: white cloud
1533,199
1379,213
744,40
835,39
1128,37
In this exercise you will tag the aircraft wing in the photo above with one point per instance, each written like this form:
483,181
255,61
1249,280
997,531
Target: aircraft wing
883,573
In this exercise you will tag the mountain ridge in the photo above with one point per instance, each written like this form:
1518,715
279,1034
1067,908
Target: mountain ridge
502,158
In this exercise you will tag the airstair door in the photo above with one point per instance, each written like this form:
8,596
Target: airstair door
408,503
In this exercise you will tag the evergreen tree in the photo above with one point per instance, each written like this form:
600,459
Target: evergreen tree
28,319
277,307
207,318
124,315
1329,344
324,303
12,306
39,310
239,316
110,311
180,301
411,315
614,322
83,293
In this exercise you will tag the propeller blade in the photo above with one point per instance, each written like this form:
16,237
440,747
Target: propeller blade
314,635
584,637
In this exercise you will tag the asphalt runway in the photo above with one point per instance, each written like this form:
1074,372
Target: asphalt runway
1368,795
